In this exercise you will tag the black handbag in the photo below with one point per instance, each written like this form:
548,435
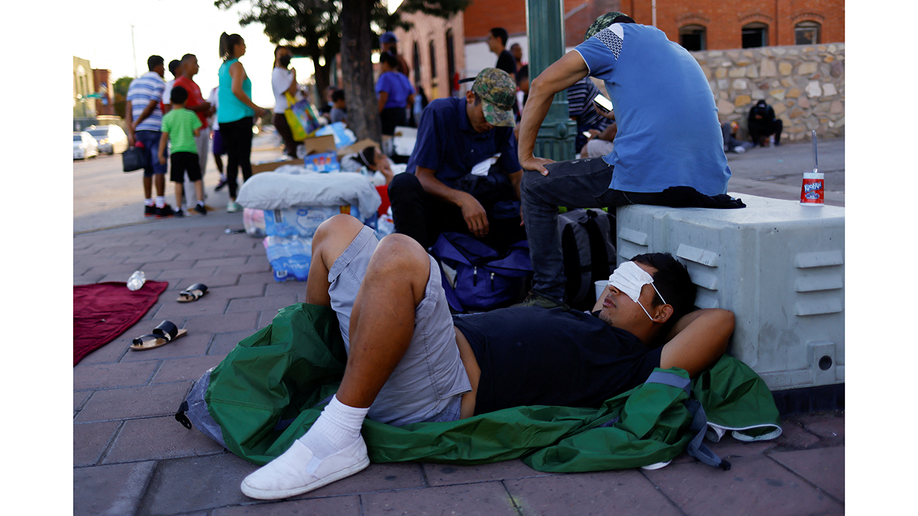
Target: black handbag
134,158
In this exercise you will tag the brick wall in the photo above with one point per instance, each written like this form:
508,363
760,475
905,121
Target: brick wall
426,30
724,19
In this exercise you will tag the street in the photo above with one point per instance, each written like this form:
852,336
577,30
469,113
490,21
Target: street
106,197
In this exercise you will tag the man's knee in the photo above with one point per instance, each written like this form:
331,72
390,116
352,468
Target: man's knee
404,186
337,232
401,254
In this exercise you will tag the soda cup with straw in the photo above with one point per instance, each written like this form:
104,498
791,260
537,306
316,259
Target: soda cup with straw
812,192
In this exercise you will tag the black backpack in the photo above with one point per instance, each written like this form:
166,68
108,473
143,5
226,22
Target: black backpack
588,247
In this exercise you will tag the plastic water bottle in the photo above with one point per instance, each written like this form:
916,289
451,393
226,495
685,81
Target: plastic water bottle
136,280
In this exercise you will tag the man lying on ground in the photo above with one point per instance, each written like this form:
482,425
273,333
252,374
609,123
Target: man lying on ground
409,361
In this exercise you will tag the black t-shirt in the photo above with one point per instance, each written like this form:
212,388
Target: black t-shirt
507,63
534,356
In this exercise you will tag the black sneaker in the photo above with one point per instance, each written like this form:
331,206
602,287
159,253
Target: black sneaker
164,212
178,213
220,185
200,209
149,211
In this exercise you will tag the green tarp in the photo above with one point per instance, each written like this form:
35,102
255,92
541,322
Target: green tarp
264,395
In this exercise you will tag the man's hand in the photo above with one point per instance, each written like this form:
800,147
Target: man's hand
536,164
474,214
607,114
162,160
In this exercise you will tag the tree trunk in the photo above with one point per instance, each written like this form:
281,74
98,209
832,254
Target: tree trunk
357,68
322,77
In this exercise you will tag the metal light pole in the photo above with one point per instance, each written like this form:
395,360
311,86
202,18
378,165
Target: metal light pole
545,30
135,51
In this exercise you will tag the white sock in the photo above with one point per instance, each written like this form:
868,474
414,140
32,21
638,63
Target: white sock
148,202
160,202
337,427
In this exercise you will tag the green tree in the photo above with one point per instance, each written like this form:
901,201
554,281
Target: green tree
121,88
316,29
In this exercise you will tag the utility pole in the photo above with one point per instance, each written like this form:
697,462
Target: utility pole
135,51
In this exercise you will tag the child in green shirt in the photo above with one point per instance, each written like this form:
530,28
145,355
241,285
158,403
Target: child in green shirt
180,127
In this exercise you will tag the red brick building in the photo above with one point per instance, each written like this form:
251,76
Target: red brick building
440,49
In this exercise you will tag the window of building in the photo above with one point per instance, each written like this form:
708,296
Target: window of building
755,35
433,59
807,33
692,37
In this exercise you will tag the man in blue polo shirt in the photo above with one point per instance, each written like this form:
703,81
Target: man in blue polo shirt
668,150
463,174
144,129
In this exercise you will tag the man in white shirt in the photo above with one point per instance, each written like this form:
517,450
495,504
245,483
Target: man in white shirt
283,81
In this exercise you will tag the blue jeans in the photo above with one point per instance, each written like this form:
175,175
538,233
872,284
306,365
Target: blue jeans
150,140
582,183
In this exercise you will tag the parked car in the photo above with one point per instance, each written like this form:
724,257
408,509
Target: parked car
84,145
111,138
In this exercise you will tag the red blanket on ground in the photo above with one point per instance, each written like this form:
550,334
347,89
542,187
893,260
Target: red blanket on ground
103,311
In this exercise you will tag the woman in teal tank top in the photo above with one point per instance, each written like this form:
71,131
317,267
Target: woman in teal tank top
235,113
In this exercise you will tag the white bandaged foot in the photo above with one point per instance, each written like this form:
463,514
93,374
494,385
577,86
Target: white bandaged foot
297,471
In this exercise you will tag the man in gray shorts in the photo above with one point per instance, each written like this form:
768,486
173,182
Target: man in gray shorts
408,362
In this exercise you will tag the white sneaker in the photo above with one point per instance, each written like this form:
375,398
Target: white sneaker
233,207
296,471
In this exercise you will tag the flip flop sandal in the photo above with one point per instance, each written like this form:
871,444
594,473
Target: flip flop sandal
163,334
192,293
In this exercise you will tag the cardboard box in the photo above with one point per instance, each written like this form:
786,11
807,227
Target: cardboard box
314,145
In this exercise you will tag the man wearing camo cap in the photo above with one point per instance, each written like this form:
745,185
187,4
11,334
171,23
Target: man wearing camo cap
439,192
668,149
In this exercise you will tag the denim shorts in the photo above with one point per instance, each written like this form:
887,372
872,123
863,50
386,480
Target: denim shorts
150,140
428,383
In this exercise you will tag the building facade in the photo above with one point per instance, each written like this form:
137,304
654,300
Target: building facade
83,85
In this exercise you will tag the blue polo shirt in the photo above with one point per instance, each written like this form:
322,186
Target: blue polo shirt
668,130
449,145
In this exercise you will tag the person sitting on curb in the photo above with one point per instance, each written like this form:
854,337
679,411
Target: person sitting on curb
410,361
439,190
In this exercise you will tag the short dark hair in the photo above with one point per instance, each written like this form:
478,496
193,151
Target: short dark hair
337,95
179,95
173,66
188,57
389,59
500,32
154,61
673,281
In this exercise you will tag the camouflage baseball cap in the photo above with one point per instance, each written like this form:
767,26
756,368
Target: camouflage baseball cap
604,21
497,90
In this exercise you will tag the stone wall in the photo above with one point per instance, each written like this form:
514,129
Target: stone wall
805,84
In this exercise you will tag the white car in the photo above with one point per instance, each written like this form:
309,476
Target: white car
111,138
84,145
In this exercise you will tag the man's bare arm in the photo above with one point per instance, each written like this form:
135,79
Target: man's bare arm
561,75
698,340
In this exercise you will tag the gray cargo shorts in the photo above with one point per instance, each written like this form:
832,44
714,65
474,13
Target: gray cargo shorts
428,383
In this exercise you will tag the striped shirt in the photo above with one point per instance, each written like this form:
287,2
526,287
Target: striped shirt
148,87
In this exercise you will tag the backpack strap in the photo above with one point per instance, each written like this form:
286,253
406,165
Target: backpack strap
696,447
575,243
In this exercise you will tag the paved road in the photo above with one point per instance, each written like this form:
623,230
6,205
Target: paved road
106,197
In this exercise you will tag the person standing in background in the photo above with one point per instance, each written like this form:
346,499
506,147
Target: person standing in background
197,105
283,81
388,44
236,113
395,94
144,98
217,147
